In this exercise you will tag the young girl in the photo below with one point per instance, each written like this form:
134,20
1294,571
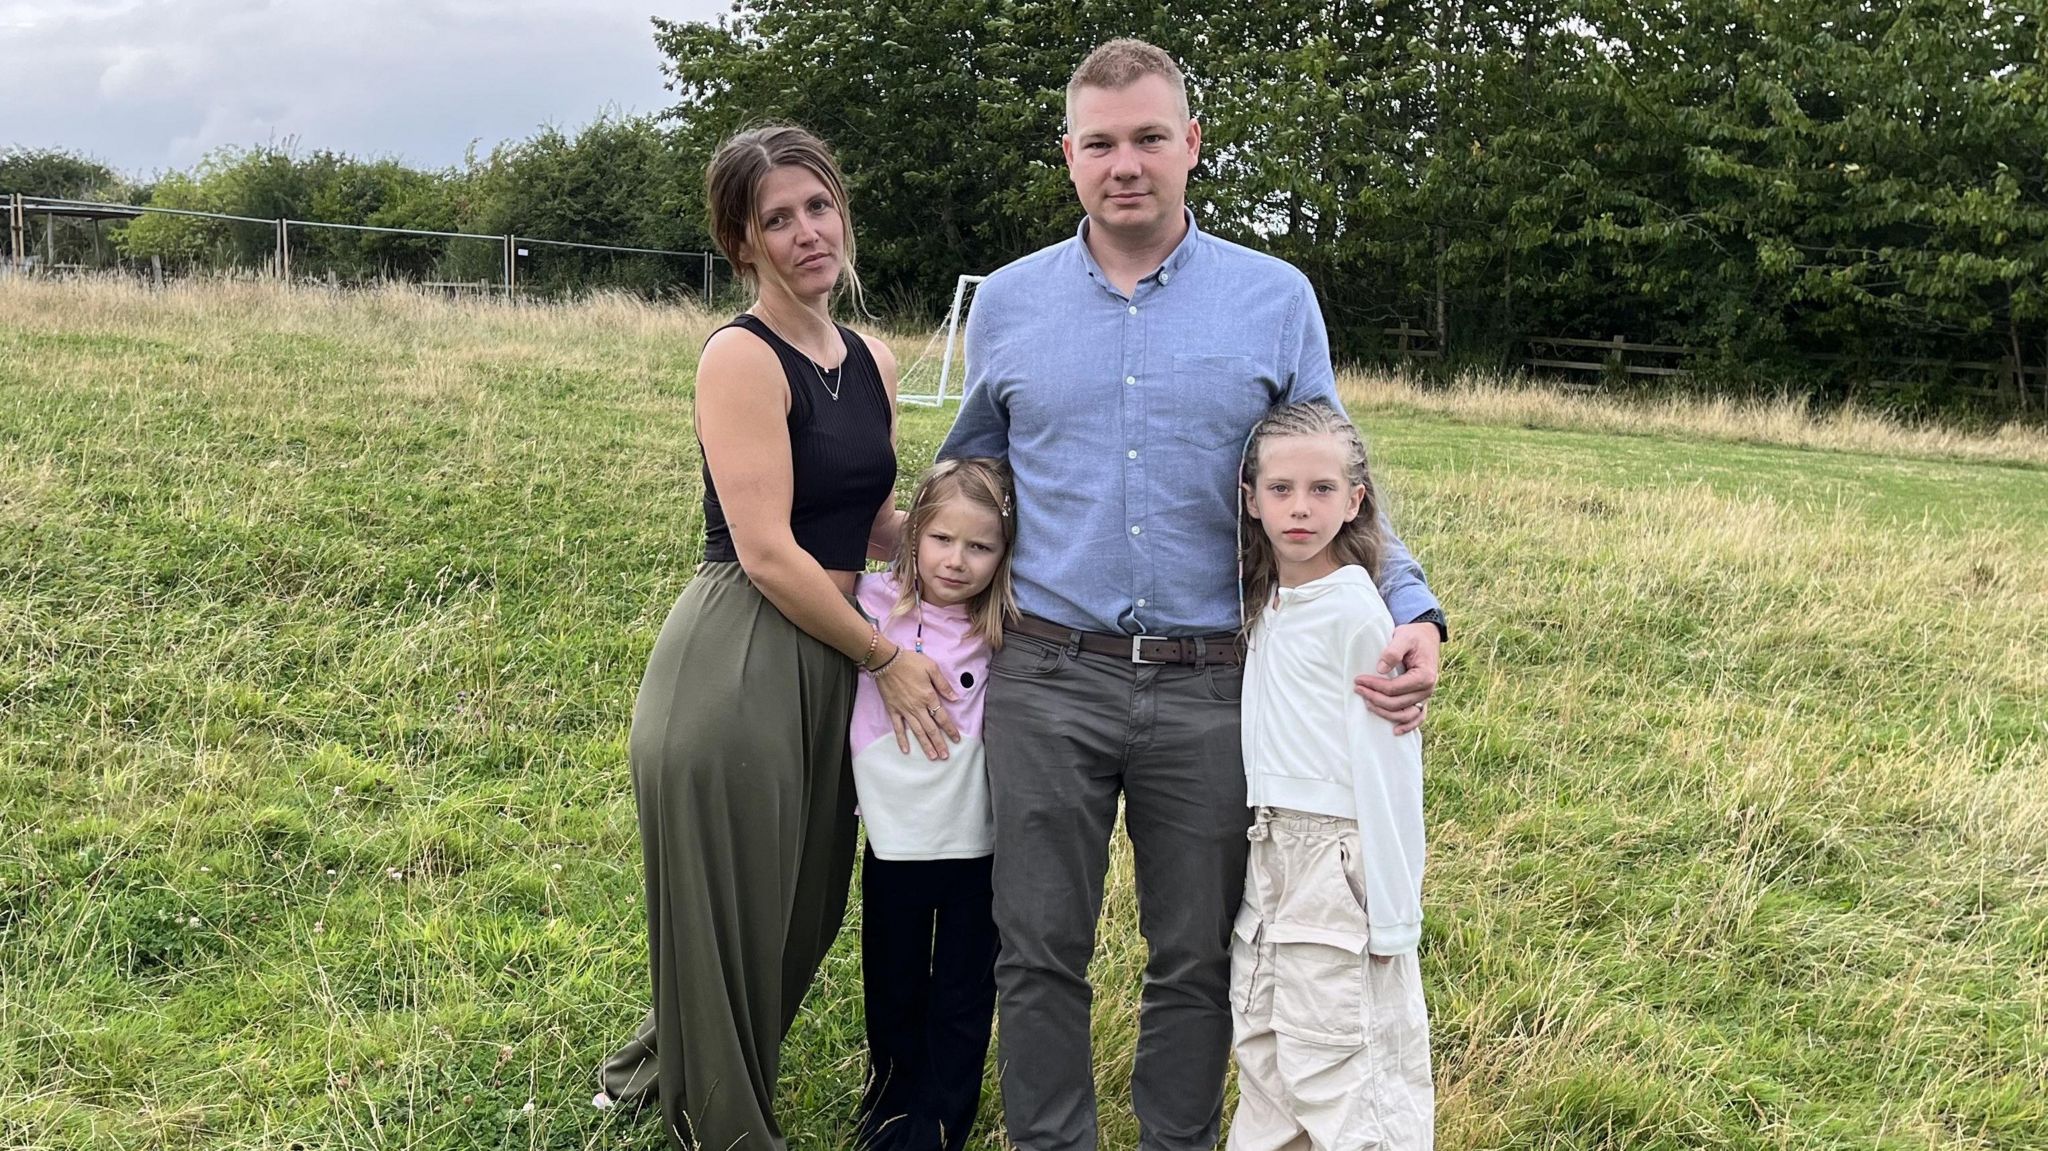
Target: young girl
1331,1035
928,933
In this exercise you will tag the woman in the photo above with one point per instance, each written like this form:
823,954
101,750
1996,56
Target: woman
741,768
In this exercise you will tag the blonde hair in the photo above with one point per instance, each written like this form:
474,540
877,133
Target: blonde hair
732,193
985,483
1119,64
1360,541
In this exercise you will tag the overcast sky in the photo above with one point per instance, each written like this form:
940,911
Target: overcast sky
150,84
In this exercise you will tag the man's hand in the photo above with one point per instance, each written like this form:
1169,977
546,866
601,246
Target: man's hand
1402,699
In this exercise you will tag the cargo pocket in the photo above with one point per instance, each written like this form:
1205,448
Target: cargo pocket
1317,941
1251,975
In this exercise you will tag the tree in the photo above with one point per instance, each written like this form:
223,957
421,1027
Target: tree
617,182
176,240
57,174
946,117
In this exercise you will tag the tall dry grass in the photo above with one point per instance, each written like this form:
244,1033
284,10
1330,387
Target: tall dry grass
1785,421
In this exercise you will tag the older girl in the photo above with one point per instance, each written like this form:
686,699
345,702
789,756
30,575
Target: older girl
1332,1036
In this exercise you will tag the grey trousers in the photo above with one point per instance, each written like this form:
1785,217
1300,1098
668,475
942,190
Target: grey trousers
745,789
1067,732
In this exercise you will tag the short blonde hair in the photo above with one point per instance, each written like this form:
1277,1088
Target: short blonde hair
1121,63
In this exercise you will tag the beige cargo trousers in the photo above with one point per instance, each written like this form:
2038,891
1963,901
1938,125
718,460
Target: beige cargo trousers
1332,1043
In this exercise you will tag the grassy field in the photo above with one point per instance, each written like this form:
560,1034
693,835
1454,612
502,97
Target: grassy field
320,621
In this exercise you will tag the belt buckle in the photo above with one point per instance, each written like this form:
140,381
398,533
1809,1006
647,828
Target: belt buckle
1138,639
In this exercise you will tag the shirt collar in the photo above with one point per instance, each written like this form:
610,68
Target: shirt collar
1164,273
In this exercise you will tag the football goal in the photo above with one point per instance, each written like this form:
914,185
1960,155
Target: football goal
931,381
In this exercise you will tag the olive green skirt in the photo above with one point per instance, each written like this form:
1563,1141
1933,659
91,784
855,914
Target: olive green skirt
745,788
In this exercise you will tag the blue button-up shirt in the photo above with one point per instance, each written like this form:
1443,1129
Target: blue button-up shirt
1123,419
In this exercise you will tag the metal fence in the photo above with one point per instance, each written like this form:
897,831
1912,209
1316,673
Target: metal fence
308,251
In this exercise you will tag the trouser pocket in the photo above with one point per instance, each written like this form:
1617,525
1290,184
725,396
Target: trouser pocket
1316,934
1251,975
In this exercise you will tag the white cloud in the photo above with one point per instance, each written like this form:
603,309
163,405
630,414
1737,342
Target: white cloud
150,84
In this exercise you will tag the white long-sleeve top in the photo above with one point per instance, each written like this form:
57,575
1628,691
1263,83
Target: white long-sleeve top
1311,744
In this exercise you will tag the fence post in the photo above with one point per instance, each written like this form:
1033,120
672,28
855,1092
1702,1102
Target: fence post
17,225
284,251
1443,322
707,278
1618,358
509,273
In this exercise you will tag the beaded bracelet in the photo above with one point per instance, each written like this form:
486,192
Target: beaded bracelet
874,637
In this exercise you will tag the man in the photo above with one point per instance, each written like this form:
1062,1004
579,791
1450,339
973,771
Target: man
1119,372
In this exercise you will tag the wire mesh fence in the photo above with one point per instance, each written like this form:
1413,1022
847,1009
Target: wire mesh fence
308,250
54,236
553,266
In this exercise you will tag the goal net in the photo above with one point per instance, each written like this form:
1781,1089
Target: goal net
931,380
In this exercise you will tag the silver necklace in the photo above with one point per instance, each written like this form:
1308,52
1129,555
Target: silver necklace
838,373
838,377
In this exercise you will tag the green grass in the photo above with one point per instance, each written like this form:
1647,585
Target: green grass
320,621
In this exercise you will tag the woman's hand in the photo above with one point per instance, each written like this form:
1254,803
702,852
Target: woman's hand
912,687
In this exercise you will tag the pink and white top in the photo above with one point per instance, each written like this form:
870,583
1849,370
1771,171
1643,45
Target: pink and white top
918,808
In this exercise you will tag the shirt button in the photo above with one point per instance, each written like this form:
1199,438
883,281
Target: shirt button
1164,276
1133,453
1136,530
1141,601
1130,379
1134,309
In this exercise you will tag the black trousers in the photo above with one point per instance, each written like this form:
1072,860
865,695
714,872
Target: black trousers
928,953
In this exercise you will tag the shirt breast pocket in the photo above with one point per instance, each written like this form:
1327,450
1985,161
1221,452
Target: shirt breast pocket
1216,400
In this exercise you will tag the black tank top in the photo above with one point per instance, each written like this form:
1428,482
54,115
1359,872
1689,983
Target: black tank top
839,451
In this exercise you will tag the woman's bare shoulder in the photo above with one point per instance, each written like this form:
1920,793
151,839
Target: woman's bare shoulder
737,363
885,357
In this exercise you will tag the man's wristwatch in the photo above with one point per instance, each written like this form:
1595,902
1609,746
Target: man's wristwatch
1436,616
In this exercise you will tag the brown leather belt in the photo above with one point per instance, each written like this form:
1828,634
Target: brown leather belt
1223,648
